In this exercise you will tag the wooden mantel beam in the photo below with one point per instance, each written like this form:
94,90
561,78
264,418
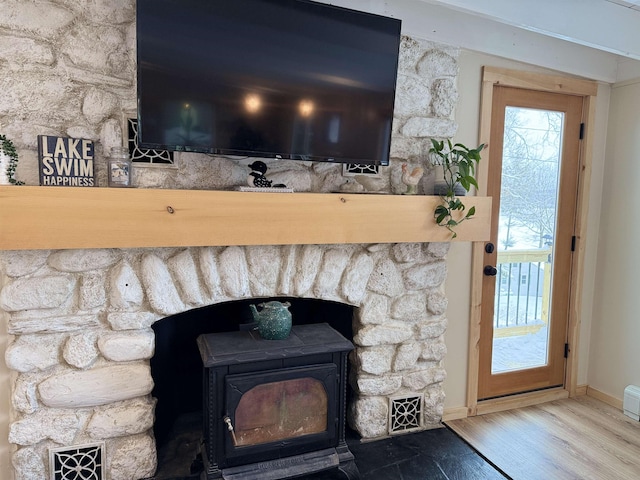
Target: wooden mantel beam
36,218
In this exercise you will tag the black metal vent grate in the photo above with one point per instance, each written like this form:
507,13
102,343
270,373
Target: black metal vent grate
83,462
145,156
405,414
350,169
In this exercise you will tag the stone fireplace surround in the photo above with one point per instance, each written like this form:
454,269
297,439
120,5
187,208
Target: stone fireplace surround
80,320
83,339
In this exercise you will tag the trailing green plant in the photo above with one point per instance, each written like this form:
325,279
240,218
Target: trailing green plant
458,164
9,150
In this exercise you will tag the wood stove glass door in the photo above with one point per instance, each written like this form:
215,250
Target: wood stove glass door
279,410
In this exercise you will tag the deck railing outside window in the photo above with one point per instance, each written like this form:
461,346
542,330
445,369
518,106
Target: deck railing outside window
523,287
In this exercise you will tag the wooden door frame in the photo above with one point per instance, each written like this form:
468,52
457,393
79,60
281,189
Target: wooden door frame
547,83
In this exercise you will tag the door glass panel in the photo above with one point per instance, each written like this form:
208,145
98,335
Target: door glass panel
527,223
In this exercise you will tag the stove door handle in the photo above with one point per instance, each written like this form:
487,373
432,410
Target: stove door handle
227,420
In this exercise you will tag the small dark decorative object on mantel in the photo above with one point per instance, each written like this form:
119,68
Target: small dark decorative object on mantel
257,177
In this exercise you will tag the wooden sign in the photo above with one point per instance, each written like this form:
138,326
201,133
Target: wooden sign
65,161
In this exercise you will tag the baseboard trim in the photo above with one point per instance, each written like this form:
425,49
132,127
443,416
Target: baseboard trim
581,390
528,399
455,413
521,400
604,397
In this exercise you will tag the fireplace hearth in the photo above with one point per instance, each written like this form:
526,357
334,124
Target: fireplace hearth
275,408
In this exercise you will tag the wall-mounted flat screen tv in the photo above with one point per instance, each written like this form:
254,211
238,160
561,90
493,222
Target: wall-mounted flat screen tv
290,79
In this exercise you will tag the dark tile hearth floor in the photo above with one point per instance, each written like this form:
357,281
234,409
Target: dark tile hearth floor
437,454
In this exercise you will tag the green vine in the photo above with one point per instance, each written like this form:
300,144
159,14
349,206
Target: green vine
458,164
10,151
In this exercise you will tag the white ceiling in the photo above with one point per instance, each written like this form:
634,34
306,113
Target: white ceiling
633,4
594,39
609,25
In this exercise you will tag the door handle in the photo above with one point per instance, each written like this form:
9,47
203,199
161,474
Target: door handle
490,270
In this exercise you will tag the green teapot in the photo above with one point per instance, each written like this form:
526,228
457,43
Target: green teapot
274,319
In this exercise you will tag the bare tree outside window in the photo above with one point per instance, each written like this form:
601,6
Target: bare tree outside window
530,176
527,223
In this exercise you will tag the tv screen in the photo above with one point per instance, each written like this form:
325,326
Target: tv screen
290,79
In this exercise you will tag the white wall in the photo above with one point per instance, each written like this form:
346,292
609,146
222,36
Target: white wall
458,285
615,336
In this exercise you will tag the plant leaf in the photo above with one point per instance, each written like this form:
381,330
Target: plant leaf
471,212
440,209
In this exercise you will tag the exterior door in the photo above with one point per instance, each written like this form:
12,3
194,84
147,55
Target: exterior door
533,179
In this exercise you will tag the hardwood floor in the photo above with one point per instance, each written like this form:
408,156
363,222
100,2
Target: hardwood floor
576,438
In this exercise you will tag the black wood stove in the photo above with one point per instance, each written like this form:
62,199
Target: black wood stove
275,409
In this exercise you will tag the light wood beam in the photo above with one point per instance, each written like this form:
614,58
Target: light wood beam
63,217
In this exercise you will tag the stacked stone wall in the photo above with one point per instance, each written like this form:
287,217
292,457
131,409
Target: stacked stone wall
81,321
69,69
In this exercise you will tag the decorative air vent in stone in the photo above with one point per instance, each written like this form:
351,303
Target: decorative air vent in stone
143,156
352,169
81,462
405,414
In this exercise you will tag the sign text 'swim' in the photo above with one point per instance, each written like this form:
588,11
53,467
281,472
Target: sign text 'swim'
66,161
